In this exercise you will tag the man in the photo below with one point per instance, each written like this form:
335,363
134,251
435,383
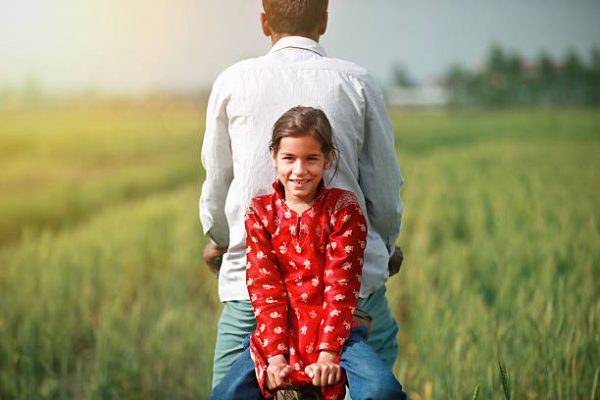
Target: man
245,101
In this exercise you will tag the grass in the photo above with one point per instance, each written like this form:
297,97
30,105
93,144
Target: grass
111,309
103,294
501,239
62,163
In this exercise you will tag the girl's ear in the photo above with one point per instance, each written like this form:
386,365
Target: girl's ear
329,159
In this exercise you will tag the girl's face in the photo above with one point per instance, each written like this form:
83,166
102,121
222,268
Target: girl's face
300,164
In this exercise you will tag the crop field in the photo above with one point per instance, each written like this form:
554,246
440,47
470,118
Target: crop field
103,293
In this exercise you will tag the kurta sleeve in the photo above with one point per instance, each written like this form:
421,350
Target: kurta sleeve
342,274
265,284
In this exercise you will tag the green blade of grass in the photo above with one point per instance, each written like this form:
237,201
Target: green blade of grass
504,380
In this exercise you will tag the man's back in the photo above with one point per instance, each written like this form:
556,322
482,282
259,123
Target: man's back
247,99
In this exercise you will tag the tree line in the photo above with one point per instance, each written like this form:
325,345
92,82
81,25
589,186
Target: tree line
507,80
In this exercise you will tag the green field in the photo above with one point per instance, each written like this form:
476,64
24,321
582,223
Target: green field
103,294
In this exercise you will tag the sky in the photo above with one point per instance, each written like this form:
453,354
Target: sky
137,46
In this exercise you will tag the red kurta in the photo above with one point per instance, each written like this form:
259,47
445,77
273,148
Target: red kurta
303,275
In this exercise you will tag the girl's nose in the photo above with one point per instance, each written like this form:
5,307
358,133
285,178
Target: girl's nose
299,167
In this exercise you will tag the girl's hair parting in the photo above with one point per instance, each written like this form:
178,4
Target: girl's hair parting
300,121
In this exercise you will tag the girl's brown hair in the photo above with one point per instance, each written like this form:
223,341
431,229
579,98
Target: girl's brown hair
300,121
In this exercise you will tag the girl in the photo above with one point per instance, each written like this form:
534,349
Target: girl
305,245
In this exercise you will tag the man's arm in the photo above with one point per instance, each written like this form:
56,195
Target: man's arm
379,174
218,164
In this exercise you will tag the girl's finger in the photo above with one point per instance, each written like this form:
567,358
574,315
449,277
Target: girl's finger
285,371
316,376
278,380
270,381
274,379
309,372
332,376
324,375
338,374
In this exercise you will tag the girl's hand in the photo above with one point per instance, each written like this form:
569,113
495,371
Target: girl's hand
325,371
277,370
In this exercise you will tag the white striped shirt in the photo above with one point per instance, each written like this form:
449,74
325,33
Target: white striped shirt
246,100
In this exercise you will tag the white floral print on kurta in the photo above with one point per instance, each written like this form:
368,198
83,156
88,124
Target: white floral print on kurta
301,311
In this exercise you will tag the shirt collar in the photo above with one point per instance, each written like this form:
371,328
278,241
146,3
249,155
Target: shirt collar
298,42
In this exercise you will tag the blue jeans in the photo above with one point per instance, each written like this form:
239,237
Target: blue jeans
237,321
368,376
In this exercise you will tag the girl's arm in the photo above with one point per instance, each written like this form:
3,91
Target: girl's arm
264,282
343,268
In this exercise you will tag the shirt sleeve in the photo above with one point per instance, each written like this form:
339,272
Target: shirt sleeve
342,274
218,165
265,285
379,173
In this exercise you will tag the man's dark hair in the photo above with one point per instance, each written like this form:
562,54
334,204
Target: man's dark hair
294,17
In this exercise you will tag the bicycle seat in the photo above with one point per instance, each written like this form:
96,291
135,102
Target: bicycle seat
306,392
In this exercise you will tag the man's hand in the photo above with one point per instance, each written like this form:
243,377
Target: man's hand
277,370
325,371
395,261
213,255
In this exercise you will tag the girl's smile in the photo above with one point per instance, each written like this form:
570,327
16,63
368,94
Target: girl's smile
299,183
300,164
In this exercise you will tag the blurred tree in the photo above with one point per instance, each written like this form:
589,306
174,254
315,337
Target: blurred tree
401,77
544,79
507,80
546,66
594,76
573,82
595,57
459,82
495,83
519,89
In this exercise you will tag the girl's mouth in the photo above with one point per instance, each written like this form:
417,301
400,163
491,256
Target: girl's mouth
298,182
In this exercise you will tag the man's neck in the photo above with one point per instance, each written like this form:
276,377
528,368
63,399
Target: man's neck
276,36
